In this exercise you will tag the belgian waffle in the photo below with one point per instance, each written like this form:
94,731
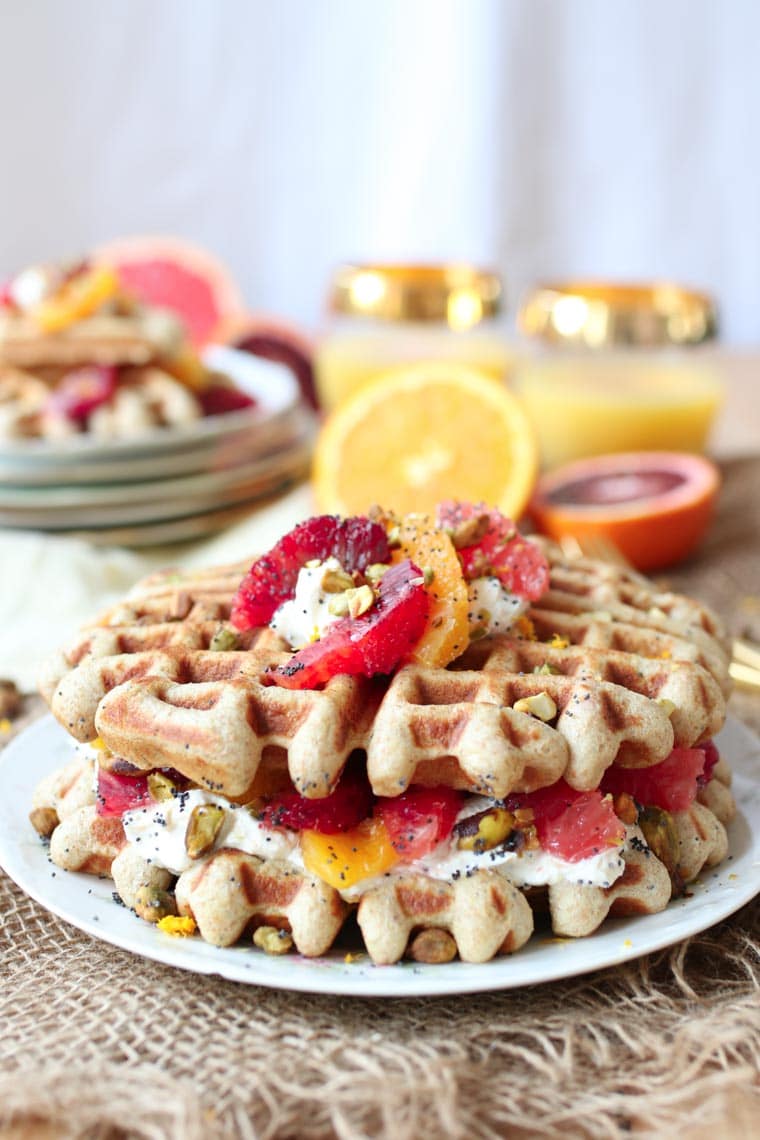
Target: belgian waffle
629,672
147,680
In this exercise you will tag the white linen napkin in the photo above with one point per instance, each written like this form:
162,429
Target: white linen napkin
51,585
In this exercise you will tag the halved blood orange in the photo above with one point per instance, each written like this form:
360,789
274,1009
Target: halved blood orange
272,339
655,506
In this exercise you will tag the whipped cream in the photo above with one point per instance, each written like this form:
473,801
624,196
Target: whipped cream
34,285
305,616
491,607
159,831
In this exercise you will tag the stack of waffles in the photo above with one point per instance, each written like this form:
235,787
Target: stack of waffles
161,683
77,354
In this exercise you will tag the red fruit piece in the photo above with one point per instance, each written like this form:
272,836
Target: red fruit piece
502,551
342,810
355,542
712,756
419,819
275,344
83,390
374,643
571,825
671,784
117,794
220,398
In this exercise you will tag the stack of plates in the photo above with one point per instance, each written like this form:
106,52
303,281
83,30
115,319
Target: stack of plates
172,484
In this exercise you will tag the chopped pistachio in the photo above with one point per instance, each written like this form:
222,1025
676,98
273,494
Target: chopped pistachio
338,605
360,599
223,640
493,827
152,904
336,581
375,571
272,940
540,705
160,786
203,828
433,946
471,531
428,574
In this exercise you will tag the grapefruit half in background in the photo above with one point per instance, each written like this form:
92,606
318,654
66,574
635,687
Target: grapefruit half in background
653,506
176,274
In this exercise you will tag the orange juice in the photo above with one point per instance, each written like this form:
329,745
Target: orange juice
592,404
387,316
348,360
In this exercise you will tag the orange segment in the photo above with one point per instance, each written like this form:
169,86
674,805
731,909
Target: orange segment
447,632
419,435
187,367
654,507
345,859
76,299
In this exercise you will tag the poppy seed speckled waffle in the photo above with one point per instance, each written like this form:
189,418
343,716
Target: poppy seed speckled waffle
622,673
229,892
149,681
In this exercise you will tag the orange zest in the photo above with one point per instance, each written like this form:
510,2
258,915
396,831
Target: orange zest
418,435
429,547
654,507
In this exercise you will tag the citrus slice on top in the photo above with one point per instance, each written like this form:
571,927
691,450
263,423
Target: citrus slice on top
447,632
653,506
415,436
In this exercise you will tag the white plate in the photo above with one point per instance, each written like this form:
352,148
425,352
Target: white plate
236,445
87,902
129,503
272,385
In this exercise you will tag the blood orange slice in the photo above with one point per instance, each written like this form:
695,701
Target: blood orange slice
175,274
654,506
272,339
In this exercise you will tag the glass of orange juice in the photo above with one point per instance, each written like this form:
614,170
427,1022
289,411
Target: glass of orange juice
614,367
385,316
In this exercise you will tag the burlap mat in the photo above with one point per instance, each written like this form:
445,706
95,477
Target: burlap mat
97,1043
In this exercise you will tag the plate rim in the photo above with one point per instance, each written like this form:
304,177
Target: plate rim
24,858
243,367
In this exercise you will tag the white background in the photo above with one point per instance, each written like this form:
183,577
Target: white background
614,138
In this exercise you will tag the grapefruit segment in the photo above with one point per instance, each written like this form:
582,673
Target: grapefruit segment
654,506
171,273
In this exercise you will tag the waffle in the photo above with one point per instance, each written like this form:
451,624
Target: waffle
231,891
104,339
484,914
146,679
628,673
594,603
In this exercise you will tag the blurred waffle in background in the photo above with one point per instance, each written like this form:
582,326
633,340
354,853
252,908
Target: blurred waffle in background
120,419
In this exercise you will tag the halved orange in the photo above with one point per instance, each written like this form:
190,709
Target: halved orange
417,435
654,506
448,630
